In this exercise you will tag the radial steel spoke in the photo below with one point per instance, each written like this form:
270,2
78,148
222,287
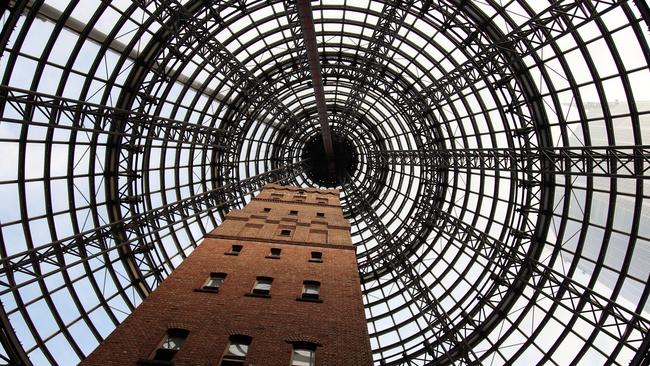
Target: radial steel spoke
309,34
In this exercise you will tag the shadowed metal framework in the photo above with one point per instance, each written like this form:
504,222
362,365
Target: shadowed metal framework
499,200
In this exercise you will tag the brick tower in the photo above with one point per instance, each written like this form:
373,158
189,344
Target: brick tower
275,284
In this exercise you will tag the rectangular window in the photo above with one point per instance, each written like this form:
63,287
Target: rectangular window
215,281
267,209
299,198
236,351
285,232
316,257
311,290
275,253
235,249
170,345
262,286
320,214
321,201
276,196
303,357
293,212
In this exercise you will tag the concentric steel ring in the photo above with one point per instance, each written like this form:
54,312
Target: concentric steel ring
499,200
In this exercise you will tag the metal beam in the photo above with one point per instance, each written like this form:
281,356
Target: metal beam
596,161
396,259
49,13
384,34
603,313
12,351
83,246
299,52
513,267
494,57
309,33
65,113
185,33
185,29
395,256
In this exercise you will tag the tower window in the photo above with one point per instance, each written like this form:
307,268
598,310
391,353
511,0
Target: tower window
235,354
320,214
285,232
170,345
275,253
303,355
293,212
235,249
321,201
215,281
276,196
262,286
310,290
266,209
316,257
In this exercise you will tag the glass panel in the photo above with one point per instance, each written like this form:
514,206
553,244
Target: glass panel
173,342
214,282
263,285
312,289
237,349
303,357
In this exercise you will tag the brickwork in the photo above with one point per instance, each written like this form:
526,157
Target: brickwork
337,324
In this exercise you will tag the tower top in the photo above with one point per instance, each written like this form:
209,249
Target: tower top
289,188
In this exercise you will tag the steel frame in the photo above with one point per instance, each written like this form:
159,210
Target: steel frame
473,207
597,161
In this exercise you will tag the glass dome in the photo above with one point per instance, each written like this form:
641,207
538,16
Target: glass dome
496,164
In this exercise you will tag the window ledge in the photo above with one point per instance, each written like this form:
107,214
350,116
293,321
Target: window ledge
211,290
272,257
252,294
231,253
146,362
308,299
316,260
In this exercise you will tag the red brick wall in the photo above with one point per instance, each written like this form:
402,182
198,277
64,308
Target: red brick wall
338,323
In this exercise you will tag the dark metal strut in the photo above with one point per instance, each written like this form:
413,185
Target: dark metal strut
307,21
